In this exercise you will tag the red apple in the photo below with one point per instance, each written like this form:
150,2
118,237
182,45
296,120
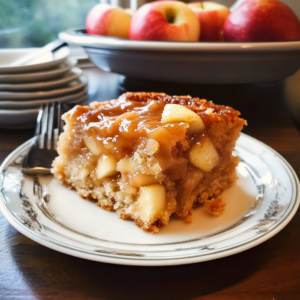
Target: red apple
212,17
262,20
165,21
108,20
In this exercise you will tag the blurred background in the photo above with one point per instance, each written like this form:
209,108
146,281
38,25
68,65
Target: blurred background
34,23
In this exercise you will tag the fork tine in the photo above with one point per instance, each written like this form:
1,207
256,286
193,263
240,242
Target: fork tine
43,134
40,156
38,122
59,120
39,129
50,126
57,115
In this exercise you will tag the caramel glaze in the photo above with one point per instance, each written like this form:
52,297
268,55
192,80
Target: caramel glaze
119,127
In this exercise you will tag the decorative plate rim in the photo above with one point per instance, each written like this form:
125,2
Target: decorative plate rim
74,73
35,67
29,96
35,104
65,66
92,255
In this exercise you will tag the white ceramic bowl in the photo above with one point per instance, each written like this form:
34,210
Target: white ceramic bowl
190,62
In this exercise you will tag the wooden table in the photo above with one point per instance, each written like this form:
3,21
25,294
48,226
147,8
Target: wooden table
269,271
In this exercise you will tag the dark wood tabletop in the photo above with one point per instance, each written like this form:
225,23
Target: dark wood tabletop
268,271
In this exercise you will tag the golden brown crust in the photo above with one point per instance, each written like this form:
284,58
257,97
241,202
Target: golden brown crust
209,112
198,105
153,228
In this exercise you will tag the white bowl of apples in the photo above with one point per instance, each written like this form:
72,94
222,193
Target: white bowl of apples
202,42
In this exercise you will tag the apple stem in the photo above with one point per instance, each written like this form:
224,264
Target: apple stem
170,16
171,19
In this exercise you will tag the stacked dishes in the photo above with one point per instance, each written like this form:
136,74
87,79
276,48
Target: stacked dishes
23,89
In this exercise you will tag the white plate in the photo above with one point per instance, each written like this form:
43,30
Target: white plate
72,87
190,62
46,85
60,71
259,205
17,105
44,62
26,118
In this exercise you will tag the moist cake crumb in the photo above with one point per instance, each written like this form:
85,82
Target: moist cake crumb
215,206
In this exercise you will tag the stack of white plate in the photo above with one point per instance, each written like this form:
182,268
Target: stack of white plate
23,89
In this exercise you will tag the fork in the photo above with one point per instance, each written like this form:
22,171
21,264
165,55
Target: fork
44,145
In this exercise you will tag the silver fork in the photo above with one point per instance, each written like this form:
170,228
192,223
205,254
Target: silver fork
44,145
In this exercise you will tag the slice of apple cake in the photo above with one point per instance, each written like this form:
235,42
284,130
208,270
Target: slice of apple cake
149,155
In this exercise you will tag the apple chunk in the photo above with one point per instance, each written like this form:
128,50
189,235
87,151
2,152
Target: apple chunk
106,167
203,154
126,165
139,179
93,146
177,113
151,202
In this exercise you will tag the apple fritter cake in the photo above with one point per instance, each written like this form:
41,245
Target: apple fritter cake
149,155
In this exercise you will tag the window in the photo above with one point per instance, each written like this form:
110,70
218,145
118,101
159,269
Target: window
34,23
